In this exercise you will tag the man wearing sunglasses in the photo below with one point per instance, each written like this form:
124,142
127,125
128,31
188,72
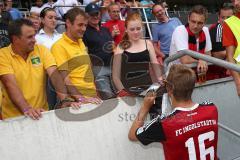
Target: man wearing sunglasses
99,41
190,131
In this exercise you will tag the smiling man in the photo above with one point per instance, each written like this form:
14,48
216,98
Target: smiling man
162,31
193,36
73,60
23,68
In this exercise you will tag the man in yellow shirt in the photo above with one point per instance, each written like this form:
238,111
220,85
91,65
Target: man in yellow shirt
73,60
23,67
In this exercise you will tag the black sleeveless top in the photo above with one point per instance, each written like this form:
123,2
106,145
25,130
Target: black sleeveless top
135,68
142,56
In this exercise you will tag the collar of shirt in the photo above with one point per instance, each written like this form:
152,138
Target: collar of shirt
66,38
115,21
186,109
17,55
11,50
43,32
93,28
169,19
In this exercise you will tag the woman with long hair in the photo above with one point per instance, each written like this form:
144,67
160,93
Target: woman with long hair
47,36
133,57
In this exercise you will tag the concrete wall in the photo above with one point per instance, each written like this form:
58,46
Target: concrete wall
93,133
67,134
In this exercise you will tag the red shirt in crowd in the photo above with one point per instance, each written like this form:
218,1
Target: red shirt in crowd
118,24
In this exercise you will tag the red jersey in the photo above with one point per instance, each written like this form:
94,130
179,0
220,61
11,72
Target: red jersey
120,25
186,134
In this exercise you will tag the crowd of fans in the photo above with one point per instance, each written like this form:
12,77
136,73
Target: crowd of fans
92,61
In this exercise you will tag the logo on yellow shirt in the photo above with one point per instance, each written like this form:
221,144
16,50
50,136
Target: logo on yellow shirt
35,60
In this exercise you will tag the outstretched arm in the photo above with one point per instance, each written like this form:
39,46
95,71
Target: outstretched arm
230,53
142,114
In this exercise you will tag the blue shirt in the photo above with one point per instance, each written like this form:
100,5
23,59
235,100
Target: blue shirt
15,13
162,31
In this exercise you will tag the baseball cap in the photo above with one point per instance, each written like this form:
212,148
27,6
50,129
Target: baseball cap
92,8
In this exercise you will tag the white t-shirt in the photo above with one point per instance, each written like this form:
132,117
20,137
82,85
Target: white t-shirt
63,10
86,2
180,41
51,5
36,9
46,40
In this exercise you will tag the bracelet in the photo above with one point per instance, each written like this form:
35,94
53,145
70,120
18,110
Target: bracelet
81,99
121,90
25,109
67,99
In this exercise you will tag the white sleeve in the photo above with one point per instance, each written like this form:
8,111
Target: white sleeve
56,3
180,38
74,2
208,40
33,9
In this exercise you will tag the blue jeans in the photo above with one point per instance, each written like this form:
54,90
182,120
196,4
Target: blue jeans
103,81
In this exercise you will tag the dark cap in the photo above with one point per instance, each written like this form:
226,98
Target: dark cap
92,8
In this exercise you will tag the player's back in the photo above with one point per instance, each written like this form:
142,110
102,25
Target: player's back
191,133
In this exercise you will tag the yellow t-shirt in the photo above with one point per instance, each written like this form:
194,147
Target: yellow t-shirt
30,76
73,57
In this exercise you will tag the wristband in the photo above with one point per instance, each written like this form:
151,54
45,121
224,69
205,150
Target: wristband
123,93
26,109
67,99
81,99
161,82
